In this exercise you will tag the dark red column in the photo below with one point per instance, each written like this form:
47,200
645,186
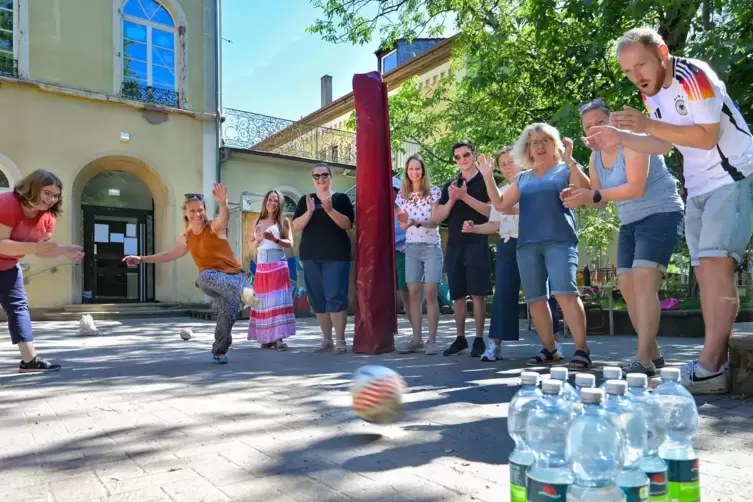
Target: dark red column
376,319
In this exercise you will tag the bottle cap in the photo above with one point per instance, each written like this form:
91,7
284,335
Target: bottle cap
585,380
672,374
592,396
551,386
559,373
637,380
616,387
529,378
612,373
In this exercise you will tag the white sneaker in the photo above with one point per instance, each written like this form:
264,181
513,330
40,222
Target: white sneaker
431,349
492,352
698,380
409,346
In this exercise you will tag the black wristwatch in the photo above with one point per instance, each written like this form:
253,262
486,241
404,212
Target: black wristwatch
597,196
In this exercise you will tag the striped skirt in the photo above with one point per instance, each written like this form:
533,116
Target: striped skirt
273,318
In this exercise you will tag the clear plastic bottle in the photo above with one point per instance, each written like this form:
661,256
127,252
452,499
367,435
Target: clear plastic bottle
561,373
584,381
629,419
681,417
595,449
610,373
546,435
651,464
521,457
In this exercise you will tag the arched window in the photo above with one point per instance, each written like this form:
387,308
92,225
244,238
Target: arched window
149,53
290,205
4,182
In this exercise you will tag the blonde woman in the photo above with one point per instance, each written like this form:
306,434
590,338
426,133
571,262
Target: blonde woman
547,239
27,219
273,319
423,252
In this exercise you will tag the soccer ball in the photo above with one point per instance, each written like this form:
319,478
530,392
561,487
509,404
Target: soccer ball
377,394
185,333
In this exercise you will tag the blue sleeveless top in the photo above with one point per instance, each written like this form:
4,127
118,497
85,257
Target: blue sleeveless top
543,218
661,195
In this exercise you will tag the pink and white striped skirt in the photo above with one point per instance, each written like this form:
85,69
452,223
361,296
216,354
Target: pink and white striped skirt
273,318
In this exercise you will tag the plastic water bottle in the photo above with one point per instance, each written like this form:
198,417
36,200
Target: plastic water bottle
521,457
546,435
629,419
595,449
560,373
610,373
653,466
584,381
681,416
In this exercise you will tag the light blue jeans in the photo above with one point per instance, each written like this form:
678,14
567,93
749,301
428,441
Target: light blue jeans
555,261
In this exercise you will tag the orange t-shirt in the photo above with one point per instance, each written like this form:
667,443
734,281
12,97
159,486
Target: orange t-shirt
211,252
23,229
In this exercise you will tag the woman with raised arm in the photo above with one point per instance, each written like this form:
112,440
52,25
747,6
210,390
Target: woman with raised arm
273,319
324,219
220,273
651,213
28,215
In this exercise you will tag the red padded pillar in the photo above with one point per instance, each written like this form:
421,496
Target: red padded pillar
376,318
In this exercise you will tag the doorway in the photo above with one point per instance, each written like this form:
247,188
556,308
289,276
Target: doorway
118,220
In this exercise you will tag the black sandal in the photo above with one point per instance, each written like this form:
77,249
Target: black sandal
544,357
580,364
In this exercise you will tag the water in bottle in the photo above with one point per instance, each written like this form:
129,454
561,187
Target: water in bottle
521,457
546,435
629,419
651,463
610,373
560,373
681,417
595,450
584,381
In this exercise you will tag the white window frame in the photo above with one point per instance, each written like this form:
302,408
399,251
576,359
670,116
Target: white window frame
20,38
289,191
384,56
150,25
10,170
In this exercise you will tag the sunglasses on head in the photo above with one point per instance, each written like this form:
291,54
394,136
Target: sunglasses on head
592,104
464,155
194,196
323,176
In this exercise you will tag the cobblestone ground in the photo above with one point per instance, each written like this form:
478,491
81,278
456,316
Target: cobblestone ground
137,414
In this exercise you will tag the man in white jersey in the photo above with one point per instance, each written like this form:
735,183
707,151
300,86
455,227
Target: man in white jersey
690,109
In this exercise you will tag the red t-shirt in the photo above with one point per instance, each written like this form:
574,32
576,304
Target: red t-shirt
23,229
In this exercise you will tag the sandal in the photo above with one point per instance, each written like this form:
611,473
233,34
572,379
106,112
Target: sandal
325,346
581,364
280,346
268,345
544,357
340,347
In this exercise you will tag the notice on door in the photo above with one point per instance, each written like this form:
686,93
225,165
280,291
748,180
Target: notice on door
130,246
101,232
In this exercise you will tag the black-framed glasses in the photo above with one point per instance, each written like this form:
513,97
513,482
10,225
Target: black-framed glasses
592,104
194,196
464,155
323,176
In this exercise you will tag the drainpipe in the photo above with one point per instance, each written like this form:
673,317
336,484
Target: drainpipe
217,84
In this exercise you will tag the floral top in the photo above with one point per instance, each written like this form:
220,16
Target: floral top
508,223
419,209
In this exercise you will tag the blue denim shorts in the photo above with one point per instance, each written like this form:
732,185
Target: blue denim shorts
648,243
423,262
327,285
555,261
719,224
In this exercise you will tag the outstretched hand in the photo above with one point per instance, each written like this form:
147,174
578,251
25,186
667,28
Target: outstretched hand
602,138
132,261
219,192
485,165
73,252
573,197
630,119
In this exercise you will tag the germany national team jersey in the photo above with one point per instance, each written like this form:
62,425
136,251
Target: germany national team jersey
697,96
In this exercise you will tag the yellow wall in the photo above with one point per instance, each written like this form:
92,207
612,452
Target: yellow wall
67,136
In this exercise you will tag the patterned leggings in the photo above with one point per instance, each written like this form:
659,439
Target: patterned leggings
225,290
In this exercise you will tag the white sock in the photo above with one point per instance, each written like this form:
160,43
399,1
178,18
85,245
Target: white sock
703,372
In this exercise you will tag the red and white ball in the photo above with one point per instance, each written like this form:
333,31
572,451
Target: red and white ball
377,394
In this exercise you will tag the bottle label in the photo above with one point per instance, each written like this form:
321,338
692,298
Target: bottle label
636,493
539,491
683,481
517,482
658,487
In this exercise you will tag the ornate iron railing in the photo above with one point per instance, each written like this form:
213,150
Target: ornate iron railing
152,95
262,133
8,67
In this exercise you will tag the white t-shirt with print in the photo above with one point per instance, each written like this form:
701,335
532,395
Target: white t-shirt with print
508,223
419,209
697,96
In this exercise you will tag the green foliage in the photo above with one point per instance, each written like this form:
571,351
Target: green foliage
597,228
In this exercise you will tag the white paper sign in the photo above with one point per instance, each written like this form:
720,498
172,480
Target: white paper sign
130,246
101,232
130,230
116,237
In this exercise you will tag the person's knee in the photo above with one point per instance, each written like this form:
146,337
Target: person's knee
646,281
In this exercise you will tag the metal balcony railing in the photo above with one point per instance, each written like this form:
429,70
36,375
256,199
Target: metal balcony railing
8,67
151,95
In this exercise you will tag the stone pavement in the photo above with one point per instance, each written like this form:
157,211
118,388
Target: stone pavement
137,414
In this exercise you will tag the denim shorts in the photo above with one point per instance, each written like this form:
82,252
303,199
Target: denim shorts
469,270
648,243
327,285
555,261
423,262
719,224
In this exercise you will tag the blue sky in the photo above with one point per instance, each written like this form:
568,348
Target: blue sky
274,67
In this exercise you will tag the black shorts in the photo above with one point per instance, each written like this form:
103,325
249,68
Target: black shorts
468,270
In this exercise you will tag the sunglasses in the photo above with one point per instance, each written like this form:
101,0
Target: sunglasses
592,104
194,196
463,156
323,176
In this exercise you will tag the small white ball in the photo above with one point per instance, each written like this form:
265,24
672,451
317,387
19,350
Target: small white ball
186,333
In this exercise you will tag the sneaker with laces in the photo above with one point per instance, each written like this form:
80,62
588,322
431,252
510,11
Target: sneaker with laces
409,346
635,366
458,348
699,380
38,365
431,349
492,352
479,347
